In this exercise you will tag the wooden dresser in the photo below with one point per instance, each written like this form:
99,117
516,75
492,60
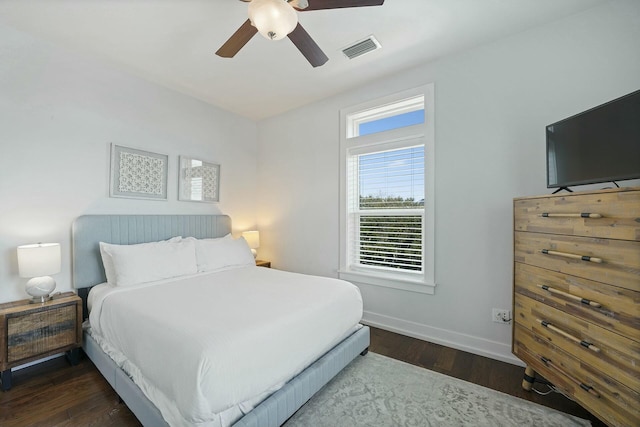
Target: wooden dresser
577,297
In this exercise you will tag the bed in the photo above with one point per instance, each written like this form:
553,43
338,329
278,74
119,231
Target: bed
271,407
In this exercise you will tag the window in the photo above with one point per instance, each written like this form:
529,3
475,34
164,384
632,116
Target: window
386,198
386,214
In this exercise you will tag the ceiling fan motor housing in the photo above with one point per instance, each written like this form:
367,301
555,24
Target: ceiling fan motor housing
274,19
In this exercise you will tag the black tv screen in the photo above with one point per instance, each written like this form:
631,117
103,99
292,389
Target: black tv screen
599,145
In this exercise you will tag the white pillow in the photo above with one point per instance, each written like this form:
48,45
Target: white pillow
215,254
227,236
107,261
127,265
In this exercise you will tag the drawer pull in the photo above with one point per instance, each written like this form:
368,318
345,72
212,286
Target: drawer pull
569,336
582,385
570,296
570,215
572,256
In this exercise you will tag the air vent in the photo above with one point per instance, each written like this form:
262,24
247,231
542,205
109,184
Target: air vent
361,47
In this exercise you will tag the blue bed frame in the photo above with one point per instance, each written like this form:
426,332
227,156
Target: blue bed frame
89,230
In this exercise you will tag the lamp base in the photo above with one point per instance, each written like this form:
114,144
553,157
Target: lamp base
255,253
40,289
40,300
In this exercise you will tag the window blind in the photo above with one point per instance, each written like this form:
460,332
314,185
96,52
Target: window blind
387,209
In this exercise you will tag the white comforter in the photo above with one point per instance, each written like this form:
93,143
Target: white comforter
203,346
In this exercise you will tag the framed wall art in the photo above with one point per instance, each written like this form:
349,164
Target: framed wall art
198,181
138,174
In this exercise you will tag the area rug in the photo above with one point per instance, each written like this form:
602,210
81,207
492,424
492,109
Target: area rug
375,390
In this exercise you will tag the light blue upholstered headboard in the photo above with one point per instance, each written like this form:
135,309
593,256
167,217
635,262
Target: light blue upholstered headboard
89,230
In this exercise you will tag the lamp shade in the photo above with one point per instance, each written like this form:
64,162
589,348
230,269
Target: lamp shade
252,238
274,19
41,259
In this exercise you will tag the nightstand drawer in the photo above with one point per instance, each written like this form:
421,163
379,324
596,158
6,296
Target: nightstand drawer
31,334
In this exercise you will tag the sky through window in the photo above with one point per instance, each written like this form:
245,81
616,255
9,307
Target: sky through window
395,173
393,122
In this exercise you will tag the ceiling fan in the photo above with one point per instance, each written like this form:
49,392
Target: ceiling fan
275,19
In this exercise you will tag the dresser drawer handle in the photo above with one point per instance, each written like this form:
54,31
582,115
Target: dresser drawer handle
571,296
572,256
582,385
569,336
570,215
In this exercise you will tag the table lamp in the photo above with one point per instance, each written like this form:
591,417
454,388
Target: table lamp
37,262
253,240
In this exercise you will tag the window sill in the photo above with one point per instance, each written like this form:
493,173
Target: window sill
392,282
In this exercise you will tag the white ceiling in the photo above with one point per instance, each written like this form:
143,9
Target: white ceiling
173,42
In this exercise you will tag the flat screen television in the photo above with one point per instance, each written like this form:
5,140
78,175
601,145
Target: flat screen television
598,145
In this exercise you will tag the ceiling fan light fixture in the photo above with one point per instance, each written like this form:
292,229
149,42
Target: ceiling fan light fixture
274,19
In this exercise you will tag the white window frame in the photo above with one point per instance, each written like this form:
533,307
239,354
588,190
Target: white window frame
352,144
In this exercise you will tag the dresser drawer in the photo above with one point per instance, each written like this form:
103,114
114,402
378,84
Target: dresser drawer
616,403
33,333
619,309
616,356
620,264
619,211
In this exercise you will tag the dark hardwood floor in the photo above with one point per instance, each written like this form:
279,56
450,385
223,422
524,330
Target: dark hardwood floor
55,394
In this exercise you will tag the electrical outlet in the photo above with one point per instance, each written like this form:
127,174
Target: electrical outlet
501,315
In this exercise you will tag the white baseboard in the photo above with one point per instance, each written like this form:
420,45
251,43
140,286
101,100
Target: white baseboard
468,343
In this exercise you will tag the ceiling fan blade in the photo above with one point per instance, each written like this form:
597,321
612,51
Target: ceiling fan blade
237,40
337,4
307,46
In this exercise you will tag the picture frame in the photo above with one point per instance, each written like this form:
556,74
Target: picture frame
138,174
198,180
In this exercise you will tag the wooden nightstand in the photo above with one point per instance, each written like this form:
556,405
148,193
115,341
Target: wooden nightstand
263,263
33,331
